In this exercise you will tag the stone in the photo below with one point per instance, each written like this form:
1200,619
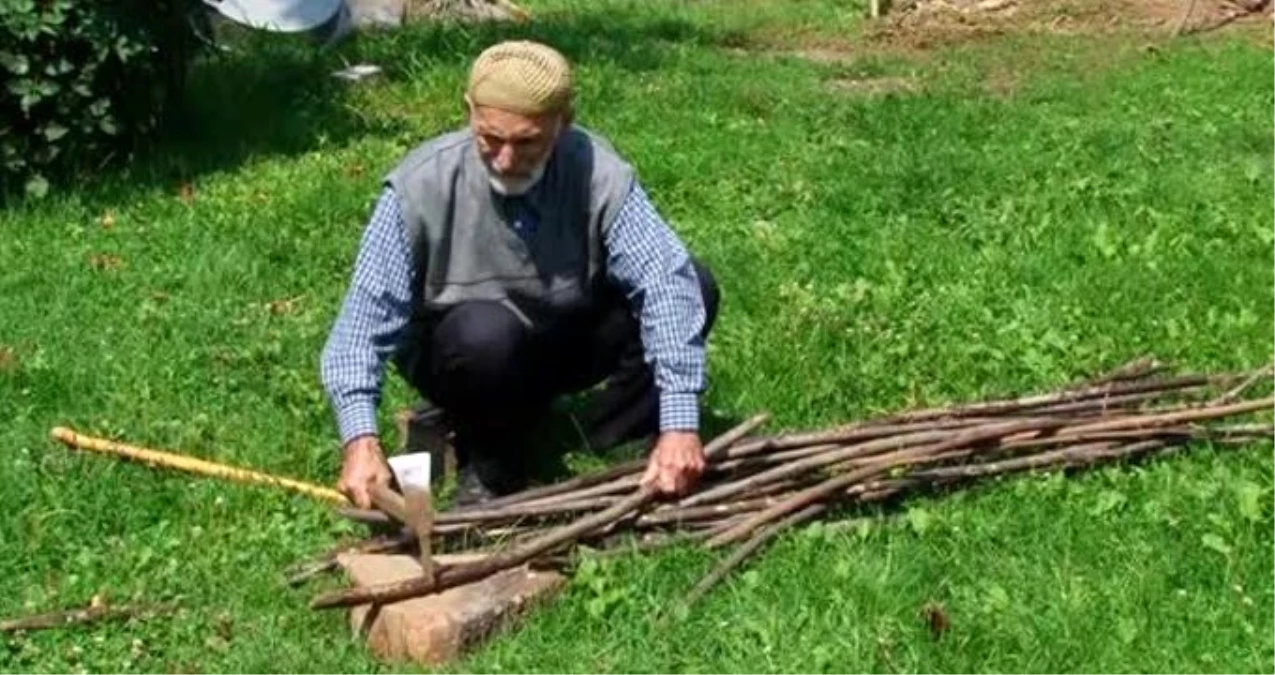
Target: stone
438,628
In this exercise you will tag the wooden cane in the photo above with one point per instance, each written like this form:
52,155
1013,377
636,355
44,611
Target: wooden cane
170,460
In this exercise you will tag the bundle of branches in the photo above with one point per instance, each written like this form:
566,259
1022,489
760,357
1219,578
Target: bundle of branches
757,485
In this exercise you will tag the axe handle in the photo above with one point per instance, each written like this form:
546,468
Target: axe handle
420,512
389,502
414,510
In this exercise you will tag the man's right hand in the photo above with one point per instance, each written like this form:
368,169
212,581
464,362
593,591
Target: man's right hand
364,466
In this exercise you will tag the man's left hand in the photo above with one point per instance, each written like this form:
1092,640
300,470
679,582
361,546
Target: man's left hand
676,462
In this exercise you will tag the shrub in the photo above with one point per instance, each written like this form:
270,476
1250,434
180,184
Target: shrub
84,81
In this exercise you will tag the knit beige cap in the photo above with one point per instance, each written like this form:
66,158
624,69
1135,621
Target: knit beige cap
521,76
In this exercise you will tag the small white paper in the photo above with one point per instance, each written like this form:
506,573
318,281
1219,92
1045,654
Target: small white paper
412,471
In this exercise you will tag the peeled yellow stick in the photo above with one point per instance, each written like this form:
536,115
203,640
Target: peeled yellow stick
190,464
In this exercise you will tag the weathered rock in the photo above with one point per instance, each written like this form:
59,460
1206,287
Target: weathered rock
438,628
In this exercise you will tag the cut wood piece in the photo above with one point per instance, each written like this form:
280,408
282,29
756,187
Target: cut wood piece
438,628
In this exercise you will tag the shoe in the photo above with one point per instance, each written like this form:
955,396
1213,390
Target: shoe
424,429
470,490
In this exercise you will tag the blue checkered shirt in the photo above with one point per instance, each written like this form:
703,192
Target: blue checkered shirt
644,258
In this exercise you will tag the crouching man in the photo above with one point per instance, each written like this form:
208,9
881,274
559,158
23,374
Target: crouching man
512,262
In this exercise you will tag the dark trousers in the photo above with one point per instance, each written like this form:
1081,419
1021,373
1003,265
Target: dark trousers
495,379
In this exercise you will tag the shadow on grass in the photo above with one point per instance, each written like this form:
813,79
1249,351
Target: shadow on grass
275,95
270,95
562,434
632,39
558,437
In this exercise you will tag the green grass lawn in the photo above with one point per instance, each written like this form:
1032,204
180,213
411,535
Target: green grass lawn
877,251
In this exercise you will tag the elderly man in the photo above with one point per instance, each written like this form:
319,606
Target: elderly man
512,262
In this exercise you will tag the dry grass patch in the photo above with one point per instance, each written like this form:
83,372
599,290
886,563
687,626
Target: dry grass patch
874,86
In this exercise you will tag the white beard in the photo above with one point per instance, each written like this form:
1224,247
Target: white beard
513,187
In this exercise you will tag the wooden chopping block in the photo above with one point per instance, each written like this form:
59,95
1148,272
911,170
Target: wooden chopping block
438,628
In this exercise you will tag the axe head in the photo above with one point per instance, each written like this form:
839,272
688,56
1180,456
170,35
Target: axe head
412,471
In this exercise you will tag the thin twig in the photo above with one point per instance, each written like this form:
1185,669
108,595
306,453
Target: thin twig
1004,406
330,561
1234,394
1143,366
748,548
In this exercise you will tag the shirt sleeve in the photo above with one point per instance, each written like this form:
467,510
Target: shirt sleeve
648,261
371,322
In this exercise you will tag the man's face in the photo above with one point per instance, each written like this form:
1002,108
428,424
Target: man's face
514,147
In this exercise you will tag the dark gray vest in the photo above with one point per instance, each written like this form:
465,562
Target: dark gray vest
465,238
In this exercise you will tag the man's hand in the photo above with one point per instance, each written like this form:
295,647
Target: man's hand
676,463
364,466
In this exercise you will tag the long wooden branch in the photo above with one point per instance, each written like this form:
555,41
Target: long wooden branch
810,463
616,486
1104,405
844,435
899,459
588,480
1170,418
676,514
74,617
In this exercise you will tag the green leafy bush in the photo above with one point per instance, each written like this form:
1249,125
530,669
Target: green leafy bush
83,82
